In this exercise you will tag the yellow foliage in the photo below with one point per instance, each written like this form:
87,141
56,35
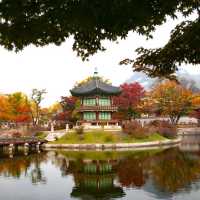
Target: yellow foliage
172,99
196,100
14,107
77,84
55,107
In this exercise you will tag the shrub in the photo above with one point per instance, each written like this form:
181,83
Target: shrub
167,130
164,128
16,134
59,126
79,130
109,138
155,123
70,126
135,129
56,138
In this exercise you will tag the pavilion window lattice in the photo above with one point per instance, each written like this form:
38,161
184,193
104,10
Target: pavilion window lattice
104,102
89,116
89,102
105,116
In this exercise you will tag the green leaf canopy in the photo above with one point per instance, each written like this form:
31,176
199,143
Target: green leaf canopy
41,22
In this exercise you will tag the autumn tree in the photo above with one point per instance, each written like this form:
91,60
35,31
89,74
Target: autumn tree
49,113
128,100
196,107
14,108
89,78
130,171
36,98
19,107
180,165
147,105
55,109
172,100
4,108
69,105
91,22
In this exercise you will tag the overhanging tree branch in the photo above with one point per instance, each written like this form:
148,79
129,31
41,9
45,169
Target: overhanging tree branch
183,47
25,22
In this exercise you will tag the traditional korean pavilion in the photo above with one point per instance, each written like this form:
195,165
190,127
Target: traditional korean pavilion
97,106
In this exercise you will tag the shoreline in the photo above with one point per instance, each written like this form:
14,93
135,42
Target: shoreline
189,131
116,146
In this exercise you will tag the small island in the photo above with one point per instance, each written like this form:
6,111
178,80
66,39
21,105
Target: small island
98,127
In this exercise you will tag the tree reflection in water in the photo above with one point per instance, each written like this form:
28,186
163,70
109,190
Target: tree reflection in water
174,170
20,165
133,170
105,175
169,171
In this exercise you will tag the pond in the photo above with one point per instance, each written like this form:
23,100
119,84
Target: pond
172,173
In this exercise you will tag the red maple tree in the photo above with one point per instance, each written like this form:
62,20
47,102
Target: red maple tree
128,100
68,106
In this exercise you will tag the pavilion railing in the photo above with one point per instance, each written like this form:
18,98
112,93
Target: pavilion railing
97,108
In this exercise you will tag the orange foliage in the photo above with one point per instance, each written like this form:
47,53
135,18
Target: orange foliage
196,101
4,108
14,107
172,99
196,108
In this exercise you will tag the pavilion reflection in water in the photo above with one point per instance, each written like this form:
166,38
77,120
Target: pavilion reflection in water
95,179
106,175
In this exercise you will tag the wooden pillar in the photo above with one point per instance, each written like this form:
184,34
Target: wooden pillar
97,115
110,114
97,100
81,113
82,116
111,101
82,101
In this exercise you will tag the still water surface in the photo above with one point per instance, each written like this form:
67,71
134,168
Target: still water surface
61,175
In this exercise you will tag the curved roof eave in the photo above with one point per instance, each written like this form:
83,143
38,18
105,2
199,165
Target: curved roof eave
95,87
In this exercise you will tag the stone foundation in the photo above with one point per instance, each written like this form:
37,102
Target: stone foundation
127,146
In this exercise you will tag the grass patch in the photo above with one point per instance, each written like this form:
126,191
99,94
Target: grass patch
41,135
104,137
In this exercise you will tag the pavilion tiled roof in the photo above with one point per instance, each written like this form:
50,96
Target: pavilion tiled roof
95,86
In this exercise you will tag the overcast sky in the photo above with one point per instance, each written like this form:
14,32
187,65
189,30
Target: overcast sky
57,68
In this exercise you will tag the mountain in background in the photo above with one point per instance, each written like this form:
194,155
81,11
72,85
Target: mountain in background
188,80
143,79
